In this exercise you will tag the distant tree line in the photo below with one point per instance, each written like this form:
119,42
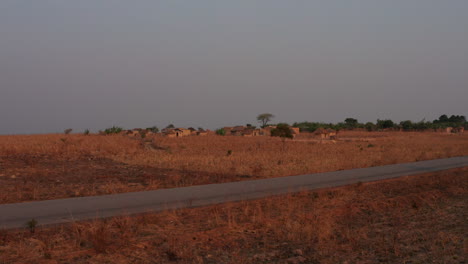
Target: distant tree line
349,123
387,124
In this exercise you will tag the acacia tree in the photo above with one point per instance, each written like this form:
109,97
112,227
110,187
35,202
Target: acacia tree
265,118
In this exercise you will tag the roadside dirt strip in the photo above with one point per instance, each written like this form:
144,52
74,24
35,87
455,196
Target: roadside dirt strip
94,207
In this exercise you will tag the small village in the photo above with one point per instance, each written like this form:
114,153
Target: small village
315,131
239,131
250,131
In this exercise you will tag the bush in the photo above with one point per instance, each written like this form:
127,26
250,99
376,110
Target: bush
67,131
370,126
383,124
221,132
86,132
282,130
113,130
153,129
407,125
31,224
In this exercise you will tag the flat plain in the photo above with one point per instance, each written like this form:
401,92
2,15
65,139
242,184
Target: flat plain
41,167
413,219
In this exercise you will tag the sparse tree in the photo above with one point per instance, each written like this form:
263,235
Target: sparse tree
67,131
170,126
265,118
351,122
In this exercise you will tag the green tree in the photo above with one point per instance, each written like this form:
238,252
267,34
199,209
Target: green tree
265,118
370,126
457,119
443,119
387,123
422,125
351,122
282,130
407,125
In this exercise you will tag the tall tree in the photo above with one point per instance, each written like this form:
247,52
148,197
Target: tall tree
443,119
265,118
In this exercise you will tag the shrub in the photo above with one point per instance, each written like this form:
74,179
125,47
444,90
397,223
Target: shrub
113,130
31,224
86,132
282,130
407,125
370,126
153,129
67,131
383,124
221,132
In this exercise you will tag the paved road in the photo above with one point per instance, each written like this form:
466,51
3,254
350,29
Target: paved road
83,208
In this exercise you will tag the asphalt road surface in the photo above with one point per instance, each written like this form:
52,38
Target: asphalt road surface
93,207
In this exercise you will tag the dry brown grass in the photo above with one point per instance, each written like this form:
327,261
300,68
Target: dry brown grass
416,219
52,166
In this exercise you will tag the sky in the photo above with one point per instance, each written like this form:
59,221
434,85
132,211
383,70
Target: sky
94,64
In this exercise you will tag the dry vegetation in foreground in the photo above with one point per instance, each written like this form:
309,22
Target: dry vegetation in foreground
40,167
415,219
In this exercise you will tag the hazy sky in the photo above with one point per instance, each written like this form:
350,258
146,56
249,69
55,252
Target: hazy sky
93,64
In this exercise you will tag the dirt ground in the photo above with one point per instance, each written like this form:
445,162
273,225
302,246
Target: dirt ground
41,167
414,219
44,177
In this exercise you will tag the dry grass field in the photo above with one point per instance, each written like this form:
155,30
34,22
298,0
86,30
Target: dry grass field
415,219
39,167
